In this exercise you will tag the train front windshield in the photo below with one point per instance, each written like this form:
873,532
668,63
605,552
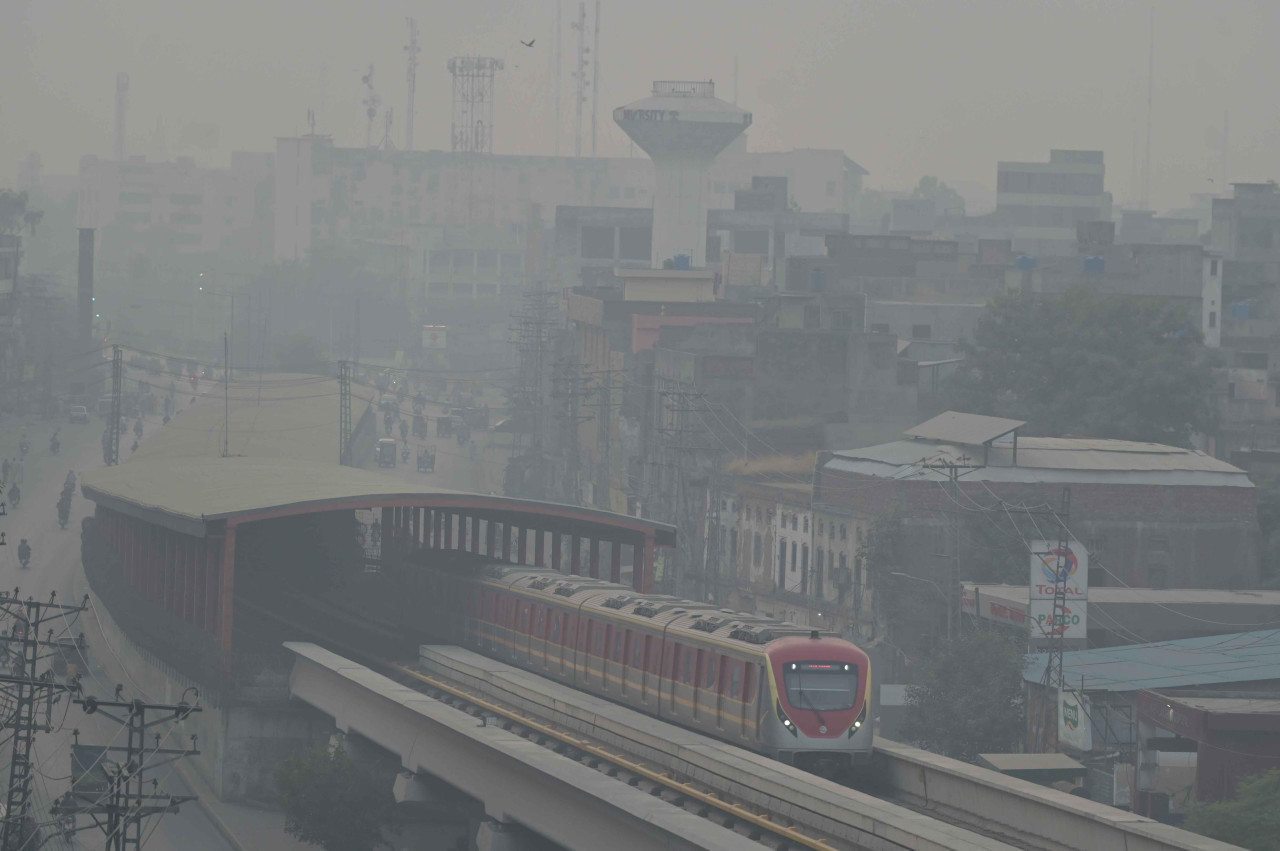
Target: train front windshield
822,686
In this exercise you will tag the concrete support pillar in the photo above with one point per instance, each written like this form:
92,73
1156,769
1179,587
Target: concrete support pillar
540,545
642,566
595,558
475,533
491,537
575,555
615,561
226,593
448,529
497,835
506,541
522,556
556,564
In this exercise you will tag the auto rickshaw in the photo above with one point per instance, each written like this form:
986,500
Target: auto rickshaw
386,452
427,460
444,426
419,425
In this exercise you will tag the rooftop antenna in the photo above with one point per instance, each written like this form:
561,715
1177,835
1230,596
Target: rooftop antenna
371,103
122,107
555,80
1151,66
387,144
595,78
412,75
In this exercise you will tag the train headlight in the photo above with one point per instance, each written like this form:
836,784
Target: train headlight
857,723
786,722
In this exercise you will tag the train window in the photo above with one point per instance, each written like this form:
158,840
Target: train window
701,668
617,646
749,685
735,680
524,619
652,655
589,641
600,636
637,649
687,670
723,685
710,672
540,629
555,628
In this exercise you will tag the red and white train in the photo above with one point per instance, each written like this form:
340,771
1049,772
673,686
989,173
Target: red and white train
780,689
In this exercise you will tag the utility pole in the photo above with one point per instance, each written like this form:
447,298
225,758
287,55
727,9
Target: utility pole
120,809
1052,679
226,396
344,413
604,435
111,438
27,690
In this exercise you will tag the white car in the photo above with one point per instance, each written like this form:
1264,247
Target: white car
78,414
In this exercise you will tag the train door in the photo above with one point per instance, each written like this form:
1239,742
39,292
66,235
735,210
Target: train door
750,697
538,641
724,707
671,671
649,670
700,665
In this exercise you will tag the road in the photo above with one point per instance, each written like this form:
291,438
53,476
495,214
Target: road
55,567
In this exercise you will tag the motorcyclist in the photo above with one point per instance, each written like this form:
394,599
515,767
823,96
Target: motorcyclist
15,495
54,445
24,552
24,445
404,430
64,509
137,429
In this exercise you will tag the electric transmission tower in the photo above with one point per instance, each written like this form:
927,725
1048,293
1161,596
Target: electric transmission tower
28,699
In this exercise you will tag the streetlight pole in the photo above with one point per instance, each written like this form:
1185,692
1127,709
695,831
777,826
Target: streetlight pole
231,321
946,600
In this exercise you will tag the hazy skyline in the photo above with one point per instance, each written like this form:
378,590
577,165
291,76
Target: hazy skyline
904,88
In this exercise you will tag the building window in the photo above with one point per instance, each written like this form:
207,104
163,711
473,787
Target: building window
794,549
879,327
821,528
794,523
1213,268
844,536
921,332
755,552
1213,319
806,523
804,568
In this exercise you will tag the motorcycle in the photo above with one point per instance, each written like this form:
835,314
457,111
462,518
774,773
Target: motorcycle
24,553
15,496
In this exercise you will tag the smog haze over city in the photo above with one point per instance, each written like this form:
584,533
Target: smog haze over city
593,424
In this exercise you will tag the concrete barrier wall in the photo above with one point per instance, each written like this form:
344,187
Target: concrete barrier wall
1031,815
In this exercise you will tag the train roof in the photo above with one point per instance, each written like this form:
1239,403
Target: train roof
654,610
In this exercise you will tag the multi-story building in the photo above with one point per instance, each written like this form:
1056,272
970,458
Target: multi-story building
137,205
325,193
1043,202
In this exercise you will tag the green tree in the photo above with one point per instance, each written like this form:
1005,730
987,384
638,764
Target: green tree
330,801
970,698
1251,819
1088,365
15,214
945,199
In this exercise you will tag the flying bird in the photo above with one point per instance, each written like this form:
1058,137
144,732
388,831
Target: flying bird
529,43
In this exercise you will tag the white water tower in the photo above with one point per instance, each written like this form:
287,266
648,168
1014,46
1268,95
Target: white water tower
681,126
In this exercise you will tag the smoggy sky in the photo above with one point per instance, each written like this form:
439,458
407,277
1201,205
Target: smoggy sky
905,88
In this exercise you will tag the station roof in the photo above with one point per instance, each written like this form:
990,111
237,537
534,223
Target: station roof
1205,660
1115,595
188,493
1042,459
973,429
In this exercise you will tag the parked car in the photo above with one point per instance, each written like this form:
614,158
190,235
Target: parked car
78,414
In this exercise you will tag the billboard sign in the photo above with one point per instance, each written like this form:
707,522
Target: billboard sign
1071,624
1074,727
435,336
1047,561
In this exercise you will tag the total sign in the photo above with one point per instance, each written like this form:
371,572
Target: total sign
1071,564
1048,562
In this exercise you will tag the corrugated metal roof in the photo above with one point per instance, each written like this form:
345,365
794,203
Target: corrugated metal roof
1044,459
1145,596
1206,660
971,429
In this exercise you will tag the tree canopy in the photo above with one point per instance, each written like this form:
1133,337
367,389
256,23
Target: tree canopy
330,801
970,698
1088,365
945,198
1251,819
14,213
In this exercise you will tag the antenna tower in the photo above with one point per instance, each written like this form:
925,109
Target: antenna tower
371,103
122,108
580,77
412,75
473,103
595,78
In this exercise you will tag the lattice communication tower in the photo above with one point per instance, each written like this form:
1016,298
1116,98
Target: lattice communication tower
473,103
